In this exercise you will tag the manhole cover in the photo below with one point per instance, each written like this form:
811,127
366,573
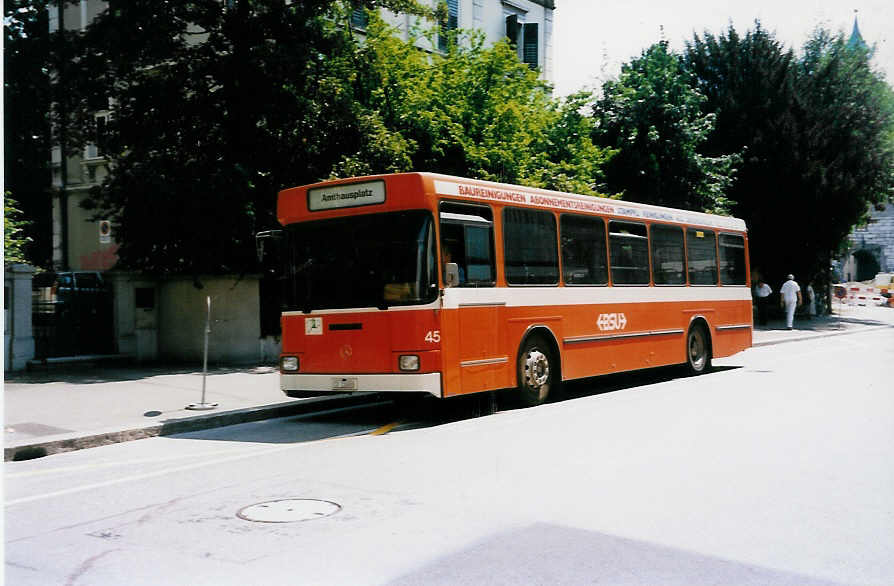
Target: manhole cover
288,511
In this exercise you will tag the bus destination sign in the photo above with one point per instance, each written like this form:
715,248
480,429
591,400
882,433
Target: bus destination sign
346,196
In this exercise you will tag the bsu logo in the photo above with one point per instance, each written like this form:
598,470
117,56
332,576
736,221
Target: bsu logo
611,321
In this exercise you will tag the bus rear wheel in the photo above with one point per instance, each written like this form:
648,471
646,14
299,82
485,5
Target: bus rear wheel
536,371
698,350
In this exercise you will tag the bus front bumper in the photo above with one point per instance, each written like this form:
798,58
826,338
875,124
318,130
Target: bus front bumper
361,383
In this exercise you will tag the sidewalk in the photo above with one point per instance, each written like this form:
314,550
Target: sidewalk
846,319
69,407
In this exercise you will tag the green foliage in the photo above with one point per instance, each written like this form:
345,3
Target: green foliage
14,227
473,111
26,122
816,136
216,106
848,152
652,115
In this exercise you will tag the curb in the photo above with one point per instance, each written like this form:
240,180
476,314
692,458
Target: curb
825,334
74,442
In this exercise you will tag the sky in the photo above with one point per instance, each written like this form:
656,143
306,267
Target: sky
592,38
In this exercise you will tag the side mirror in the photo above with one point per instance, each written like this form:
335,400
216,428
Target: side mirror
451,274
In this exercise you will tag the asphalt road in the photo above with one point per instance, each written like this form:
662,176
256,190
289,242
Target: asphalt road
775,469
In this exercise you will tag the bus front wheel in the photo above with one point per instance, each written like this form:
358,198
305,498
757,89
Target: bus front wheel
698,350
536,371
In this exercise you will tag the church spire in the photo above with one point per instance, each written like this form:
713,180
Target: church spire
856,41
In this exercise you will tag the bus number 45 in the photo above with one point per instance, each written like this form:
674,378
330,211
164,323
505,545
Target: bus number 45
433,336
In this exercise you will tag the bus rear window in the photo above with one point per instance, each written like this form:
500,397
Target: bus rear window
732,259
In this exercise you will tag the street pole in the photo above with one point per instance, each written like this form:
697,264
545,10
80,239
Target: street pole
203,406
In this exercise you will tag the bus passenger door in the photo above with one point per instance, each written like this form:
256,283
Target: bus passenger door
484,364
467,239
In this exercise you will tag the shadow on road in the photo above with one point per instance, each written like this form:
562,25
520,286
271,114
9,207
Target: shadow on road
551,554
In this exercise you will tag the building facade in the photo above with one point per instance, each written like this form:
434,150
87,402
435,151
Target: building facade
871,247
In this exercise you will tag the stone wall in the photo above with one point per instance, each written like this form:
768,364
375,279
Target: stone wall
18,337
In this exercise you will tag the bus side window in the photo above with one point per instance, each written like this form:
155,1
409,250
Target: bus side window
668,255
702,253
530,247
467,236
629,253
583,250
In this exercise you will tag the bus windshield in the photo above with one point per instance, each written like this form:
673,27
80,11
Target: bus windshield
375,260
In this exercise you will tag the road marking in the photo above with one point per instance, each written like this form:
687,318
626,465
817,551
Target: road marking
386,428
188,467
99,465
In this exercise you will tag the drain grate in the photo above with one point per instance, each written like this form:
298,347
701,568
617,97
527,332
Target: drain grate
288,511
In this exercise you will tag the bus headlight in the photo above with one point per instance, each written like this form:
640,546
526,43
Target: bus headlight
409,362
288,364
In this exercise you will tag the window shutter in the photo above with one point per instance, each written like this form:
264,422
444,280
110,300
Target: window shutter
359,19
529,51
451,24
512,27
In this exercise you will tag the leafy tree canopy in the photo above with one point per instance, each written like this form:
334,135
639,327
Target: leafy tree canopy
27,53
473,111
14,227
216,105
652,114
815,132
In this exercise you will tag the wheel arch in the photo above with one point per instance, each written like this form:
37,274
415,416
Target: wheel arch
541,331
702,321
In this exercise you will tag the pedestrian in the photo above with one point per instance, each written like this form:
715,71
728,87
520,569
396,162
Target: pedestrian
790,299
811,301
762,293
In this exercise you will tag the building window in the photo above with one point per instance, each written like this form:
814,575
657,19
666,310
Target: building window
94,150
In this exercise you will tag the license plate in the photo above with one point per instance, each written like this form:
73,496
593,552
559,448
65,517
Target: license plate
344,384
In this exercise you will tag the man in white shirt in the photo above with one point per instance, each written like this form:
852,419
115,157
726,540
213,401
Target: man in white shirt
790,299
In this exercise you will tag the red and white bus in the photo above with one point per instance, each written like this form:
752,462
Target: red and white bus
426,283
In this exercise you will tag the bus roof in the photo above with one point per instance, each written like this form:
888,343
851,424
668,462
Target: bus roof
489,191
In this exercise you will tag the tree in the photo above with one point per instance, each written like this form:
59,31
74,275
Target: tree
816,137
473,111
749,84
215,106
652,115
847,142
26,123
15,239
